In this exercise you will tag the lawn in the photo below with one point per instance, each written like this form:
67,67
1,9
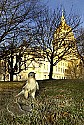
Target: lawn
58,102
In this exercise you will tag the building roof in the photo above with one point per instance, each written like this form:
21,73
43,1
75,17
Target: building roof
63,29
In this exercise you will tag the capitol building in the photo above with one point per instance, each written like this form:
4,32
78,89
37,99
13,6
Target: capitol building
64,68
67,68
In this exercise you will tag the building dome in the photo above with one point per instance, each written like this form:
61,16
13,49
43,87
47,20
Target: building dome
63,32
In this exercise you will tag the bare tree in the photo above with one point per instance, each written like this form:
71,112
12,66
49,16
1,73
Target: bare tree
80,43
16,17
21,19
53,41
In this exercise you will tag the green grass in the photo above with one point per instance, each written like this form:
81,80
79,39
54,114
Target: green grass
58,102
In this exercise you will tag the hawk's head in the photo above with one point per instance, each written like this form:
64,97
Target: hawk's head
31,75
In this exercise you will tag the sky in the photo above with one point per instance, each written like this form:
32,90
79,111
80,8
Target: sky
76,5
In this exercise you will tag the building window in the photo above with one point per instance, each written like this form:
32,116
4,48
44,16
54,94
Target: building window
61,63
59,77
44,66
65,70
47,67
45,76
62,77
58,69
61,70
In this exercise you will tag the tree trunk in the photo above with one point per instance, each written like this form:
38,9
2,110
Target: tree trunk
11,67
51,67
11,76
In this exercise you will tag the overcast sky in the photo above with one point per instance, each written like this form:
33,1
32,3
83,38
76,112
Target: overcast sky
76,5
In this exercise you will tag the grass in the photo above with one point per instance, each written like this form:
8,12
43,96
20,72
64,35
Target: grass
58,102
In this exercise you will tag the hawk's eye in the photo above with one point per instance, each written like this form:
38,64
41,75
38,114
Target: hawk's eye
31,74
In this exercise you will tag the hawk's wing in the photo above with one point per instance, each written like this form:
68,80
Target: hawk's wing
37,86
